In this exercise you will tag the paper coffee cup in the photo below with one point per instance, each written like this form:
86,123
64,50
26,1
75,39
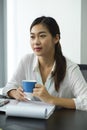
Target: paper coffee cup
28,86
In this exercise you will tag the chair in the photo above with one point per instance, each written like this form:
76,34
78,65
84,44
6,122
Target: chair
83,68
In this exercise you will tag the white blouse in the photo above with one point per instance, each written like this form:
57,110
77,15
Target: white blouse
73,86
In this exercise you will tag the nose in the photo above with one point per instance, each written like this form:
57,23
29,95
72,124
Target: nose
37,41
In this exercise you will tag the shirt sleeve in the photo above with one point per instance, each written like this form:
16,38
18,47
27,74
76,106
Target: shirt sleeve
16,79
79,87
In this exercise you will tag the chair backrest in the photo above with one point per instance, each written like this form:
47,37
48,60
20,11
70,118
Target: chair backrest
83,68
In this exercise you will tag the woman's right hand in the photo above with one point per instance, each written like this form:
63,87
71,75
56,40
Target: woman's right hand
17,94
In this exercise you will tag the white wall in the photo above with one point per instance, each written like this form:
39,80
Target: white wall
2,43
84,31
21,13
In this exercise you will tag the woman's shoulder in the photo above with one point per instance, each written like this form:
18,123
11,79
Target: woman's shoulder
70,64
28,57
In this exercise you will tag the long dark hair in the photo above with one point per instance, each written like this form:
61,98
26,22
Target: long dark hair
60,67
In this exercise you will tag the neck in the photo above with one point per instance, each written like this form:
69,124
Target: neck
46,61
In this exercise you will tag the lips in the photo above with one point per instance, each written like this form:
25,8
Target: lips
37,48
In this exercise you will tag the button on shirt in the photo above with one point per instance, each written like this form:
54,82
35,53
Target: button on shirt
73,86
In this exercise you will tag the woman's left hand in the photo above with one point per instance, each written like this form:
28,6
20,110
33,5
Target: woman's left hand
41,92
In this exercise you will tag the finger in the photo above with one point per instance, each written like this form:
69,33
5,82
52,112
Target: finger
35,90
21,89
35,94
38,86
20,98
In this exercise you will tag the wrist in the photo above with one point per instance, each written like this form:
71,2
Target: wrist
11,93
52,100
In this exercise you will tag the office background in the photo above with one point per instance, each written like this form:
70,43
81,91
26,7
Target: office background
16,17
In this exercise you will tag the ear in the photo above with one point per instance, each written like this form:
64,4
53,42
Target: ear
56,39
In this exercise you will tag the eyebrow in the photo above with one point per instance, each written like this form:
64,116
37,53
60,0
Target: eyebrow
39,32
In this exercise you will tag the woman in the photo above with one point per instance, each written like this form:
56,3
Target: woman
59,81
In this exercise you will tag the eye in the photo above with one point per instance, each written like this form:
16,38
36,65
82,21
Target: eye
32,36
42,35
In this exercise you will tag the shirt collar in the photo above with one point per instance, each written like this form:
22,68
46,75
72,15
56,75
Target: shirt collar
36,65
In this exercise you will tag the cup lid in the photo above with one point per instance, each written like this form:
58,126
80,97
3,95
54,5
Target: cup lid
29,80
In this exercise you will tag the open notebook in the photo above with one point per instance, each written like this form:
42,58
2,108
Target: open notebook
32,109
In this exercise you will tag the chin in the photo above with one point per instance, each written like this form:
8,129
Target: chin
39,54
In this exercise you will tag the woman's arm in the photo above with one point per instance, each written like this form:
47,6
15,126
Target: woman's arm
63,102
17,94
15,81
41,92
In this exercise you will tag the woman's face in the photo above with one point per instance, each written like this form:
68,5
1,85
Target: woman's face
41,40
